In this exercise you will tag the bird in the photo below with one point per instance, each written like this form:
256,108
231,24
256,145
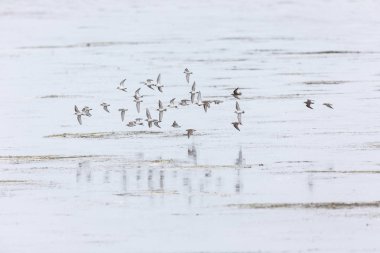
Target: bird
105,106
149,118
86,111
158,84
155,122
184,102
190,132
217,101
175,125
188,73
236,125
131,124
206,104
199,99
138,101
193,92
161,110
137,94
78,114
172,105
328,105
239,112
122,86
309,103
122,111
236,93
149,83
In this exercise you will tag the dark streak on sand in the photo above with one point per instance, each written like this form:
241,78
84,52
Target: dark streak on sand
320,205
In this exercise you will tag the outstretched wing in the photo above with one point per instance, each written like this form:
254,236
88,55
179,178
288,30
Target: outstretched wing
188,77
159,88
137,92
237,106
236,126
239,118
192,97
193,87
148,114
122,83
160,104
79,117
76,109
160,116
172,101
159,79
138,107
122,115
199,97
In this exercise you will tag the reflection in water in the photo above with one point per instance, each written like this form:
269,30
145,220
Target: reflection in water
150,180
162,179
238,182
192,154
240,161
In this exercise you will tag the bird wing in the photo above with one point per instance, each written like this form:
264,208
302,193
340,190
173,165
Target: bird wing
188,77
193,87
76,109
237,106
199,97
148,114
138,107
172,101
122,115
161,115
79,117
106,108
188,134
160,104
122,83
205,107
137,92
150,124
159,88
236,126
192,97
239,118
159,79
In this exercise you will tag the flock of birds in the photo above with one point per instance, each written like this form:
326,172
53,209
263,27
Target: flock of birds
149,83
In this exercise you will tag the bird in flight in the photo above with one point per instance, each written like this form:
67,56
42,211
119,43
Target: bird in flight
122,86
105,106
328,105
187,72
122,111
309,103
190,132
236,93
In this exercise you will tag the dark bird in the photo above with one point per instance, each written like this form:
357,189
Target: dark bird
309,103
328,105
236,125
190,132
236,93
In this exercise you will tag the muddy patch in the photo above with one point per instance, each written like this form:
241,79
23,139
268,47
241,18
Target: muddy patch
313,205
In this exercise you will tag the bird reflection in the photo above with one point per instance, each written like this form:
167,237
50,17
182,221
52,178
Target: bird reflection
192,154
240,161
162,179
150,179
238,185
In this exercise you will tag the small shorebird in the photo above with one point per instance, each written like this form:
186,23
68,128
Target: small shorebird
309,103
131,124
184,102
155,122
175,125
239,112
236,93
158,84
137,94
78,114
122,86
188,73
86,111
206,104
138,101
193,92
149,118
217,102
236,125
328,105
149,83
161,110
172,105
122,111
105,106
190,132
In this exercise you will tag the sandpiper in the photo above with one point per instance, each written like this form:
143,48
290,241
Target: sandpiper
155,122
206,104
236,125
158,84
236,93
188,73
175,125
309,103
328,105
137,94
172,105
131,124
190,132
105,106
149,118
86,111
184,102
138,101
217,101
161,110
122,86
193,92
149,83
122,111
78,114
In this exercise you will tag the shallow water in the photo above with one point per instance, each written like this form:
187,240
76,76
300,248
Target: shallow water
305,179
